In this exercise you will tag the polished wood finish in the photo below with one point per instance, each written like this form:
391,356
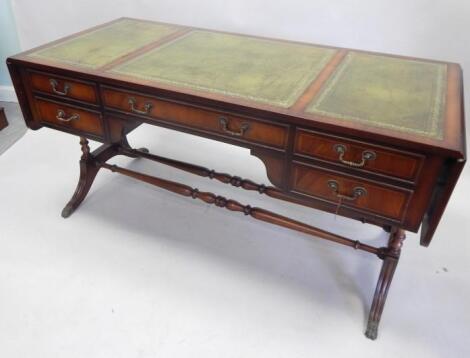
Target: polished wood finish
257,131
390,256
72,118
232,205
387,161
316,85
314,181
225,178
3,119
88,169
395,179
445,183
64,87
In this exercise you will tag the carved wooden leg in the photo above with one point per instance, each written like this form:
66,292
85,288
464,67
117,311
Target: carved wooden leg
89,167
390,255
88,171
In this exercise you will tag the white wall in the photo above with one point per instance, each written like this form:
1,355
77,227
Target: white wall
422,28
8,39
8,46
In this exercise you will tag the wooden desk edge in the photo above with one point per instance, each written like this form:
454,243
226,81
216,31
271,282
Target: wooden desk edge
452,146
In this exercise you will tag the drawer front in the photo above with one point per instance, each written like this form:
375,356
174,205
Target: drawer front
64,87
240,128
358,155
386,201
69,117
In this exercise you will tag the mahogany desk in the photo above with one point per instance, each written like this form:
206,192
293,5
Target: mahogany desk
373,137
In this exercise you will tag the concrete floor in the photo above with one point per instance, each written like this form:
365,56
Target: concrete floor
140,272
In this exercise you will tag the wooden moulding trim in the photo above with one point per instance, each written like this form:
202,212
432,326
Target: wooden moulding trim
140,51
232,205
454,130
314,87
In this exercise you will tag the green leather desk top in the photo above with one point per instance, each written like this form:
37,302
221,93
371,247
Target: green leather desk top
387,92
97,48
382,91
267,71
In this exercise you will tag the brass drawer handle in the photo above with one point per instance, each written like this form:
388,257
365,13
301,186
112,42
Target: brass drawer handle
61,116
224,124
147,106
366,155
54,85
358,191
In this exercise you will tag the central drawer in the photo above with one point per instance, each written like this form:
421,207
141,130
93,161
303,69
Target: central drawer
223,124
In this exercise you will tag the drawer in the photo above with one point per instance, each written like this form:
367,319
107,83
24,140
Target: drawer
353,192
64,87
70,118
236,127
358,155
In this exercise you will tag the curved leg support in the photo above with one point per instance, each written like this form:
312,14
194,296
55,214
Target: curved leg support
87,175
125,144
89,167
88,171
390,255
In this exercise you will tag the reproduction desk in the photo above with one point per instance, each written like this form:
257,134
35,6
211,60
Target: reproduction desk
373,137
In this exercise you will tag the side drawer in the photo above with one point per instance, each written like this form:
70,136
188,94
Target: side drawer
64,87
358,155
237,127
70,118
376,198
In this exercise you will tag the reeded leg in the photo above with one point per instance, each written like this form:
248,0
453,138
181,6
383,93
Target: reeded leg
390,255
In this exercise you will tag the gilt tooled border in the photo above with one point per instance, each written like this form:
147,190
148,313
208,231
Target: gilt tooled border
436,111
38,54
303,84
